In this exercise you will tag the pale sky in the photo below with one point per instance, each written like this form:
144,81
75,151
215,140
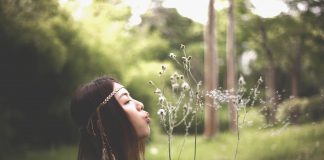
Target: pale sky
197,9
193,9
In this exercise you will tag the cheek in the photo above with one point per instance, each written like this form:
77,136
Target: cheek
133,116
141,127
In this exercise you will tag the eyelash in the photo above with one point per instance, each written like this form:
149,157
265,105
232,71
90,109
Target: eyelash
127,102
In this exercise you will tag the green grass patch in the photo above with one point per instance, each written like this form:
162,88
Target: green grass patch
282,143
299,142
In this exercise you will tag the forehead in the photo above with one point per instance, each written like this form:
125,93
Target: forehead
121,91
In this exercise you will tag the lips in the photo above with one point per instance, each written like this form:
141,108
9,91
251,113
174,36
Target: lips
148,120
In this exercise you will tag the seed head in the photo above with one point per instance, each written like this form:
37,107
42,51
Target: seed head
182,46
157,91
172,55
161,99
161,112
164,67
184,59
241,81
260,80
185,86
175,86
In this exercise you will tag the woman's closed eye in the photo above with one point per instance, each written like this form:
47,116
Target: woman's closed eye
127,102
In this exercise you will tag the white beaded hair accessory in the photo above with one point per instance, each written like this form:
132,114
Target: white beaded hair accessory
111,95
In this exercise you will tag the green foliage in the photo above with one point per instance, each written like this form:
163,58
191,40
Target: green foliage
46,53
44,56
302,110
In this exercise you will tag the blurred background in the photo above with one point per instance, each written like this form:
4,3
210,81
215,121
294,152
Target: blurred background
48,48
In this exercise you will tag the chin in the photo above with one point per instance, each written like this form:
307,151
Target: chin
145,134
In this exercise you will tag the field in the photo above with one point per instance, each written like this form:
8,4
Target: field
292,142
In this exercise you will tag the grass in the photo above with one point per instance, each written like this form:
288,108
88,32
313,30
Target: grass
292,143
302,142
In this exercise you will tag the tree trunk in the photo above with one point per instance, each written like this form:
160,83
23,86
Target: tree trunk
230,58
295,74
270,111
270,77
210,72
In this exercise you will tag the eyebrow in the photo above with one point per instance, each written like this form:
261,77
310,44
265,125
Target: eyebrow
123,94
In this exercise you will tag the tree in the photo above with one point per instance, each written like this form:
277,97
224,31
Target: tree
270,76
210,72
230,58
306,35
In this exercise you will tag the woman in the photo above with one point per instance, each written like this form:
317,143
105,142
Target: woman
113,125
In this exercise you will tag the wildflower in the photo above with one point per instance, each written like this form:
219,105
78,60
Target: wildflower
185,86
161,99
172,55
181,77
187,109
260,80
164,67
161,112
175,86
157,91
172,108
184,59
241,81
182,46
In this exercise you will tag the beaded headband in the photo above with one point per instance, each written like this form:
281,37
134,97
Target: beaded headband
111,95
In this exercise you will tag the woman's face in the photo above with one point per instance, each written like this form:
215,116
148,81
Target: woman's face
134,109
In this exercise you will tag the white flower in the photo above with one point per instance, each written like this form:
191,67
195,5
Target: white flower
241,81
157,91
182,46
161,99
185,86
175,86
172,55
260,80
161,112
164,67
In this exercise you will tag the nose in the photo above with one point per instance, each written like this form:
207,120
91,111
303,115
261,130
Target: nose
139,105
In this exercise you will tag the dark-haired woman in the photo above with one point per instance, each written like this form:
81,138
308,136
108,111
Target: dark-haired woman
113,125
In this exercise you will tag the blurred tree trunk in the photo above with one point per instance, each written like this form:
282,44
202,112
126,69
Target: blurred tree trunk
270,77
230,57
295,74
210,72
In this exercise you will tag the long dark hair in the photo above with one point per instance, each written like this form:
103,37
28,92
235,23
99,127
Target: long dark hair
106,132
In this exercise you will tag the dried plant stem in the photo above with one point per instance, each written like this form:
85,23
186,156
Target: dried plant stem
170,134
169,142
182,145
195,151
238,135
